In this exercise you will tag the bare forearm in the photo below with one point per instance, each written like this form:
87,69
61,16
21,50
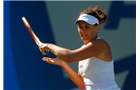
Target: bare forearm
74,76
62,53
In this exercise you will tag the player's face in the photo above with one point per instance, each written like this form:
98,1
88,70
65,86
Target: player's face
87,32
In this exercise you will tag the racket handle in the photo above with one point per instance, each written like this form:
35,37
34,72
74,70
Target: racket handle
46,52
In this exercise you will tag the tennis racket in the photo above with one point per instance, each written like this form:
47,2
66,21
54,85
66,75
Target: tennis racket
33,35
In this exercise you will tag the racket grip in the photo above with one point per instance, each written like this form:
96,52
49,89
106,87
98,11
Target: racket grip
46,51
43,49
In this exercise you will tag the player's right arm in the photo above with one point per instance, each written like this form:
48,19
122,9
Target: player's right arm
97,48
74,76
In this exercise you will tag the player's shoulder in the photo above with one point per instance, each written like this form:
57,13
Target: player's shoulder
101,42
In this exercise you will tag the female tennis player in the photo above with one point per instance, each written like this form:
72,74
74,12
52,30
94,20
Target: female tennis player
96,70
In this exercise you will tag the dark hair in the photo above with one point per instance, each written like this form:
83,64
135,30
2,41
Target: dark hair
96,12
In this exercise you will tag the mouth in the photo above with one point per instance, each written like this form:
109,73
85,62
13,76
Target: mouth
84,36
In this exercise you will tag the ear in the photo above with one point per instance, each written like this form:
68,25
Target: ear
97,28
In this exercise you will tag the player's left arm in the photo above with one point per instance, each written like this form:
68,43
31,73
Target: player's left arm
74,76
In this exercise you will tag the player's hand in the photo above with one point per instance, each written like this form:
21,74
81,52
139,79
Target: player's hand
43,48
55,61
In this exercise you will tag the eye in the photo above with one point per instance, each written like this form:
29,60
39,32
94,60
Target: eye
87,27
79,26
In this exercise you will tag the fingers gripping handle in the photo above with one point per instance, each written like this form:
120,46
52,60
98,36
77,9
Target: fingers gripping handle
46,52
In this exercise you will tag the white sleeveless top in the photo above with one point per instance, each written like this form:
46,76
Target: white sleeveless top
98,74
